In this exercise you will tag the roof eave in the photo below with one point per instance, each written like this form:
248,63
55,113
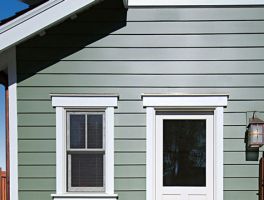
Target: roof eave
39,19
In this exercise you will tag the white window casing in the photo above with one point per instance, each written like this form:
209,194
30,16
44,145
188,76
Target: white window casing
185,102
62,102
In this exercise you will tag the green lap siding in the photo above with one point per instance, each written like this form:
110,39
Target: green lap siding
150,50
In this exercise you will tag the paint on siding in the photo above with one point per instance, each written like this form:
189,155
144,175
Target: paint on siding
107,49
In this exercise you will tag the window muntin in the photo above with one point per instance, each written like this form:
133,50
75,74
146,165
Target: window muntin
85,151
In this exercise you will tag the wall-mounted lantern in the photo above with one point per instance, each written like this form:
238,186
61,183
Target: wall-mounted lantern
255,132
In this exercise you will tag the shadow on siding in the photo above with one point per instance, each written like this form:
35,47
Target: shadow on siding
69,37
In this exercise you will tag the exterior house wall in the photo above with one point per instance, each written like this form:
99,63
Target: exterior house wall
155,50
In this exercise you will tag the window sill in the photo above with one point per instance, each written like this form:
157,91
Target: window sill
84,196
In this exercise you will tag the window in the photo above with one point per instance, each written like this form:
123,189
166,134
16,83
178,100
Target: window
85,151
84,146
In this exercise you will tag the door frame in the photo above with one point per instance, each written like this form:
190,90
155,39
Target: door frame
184,102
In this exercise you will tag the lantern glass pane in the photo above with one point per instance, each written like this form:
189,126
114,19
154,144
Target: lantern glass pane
255,135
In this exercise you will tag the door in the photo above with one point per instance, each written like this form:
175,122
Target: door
184,157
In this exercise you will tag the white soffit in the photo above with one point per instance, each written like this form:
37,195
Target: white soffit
39,19
136,3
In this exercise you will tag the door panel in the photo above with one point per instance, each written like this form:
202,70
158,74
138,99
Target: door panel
184,157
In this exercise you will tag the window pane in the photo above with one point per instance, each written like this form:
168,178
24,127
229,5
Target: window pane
77,131
95,131
87,170
184,152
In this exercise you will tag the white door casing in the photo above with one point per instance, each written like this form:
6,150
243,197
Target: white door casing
187,102
184,192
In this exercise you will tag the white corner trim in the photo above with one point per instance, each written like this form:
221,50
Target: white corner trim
84,101
161,3
41,20
184,101
64,101
13,148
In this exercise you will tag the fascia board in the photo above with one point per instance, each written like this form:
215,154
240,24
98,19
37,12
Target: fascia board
29,14
42,21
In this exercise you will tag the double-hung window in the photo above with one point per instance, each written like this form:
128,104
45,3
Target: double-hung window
85,151
84,146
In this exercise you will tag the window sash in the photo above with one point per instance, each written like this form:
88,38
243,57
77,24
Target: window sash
83,189
86,136
86,150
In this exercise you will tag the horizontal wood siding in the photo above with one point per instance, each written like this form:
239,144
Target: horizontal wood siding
186,50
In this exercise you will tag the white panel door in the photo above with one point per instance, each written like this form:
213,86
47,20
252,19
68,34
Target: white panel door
184,157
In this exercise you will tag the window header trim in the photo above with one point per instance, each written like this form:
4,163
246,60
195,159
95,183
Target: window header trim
185,100
84,100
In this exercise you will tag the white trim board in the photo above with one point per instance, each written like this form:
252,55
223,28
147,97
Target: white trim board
84,101
43,19
184,101
13,143
179,101
167,3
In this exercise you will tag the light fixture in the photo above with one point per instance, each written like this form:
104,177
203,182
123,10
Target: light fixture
255,132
